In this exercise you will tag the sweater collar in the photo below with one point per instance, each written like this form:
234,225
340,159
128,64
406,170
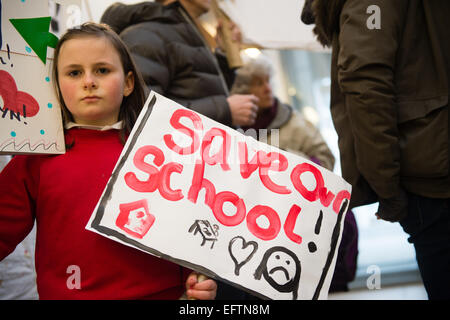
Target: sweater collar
115,126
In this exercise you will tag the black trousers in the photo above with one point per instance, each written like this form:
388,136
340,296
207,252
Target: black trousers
428,225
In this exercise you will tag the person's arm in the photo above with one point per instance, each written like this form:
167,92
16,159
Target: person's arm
17,189
366,66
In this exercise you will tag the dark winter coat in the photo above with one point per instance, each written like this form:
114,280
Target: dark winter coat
389,95
172,56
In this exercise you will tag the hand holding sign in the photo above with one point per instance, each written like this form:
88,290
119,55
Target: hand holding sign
199,287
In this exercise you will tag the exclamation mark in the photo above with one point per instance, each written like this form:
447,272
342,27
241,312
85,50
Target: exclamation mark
24,113
311,245
9,55
318,223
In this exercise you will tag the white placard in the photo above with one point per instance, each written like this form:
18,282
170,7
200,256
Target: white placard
30,115
198,193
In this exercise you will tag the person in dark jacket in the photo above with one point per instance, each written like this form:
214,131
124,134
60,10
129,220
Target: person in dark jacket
176,61
390,107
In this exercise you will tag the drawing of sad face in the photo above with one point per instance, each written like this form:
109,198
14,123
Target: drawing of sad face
281,269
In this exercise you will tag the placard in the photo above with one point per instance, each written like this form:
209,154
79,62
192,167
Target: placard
30,115
200,194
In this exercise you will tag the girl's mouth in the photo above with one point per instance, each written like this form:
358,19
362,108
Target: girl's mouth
91,99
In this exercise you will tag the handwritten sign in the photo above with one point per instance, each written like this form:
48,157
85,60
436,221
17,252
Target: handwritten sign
207,197
30,116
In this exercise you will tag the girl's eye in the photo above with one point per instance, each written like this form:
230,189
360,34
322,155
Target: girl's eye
74,73
103,70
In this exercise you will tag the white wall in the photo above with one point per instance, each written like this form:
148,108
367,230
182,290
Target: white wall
93,9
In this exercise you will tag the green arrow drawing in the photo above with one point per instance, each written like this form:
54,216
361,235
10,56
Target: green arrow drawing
35,31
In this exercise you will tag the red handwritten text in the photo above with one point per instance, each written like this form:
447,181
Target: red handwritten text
159,178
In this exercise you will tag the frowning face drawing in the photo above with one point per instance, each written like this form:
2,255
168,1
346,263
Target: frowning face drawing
281,269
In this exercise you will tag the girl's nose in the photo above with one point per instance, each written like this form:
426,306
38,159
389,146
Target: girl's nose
89,81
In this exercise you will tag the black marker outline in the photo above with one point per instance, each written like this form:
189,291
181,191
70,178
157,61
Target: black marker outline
245,244
20,146
319,223
333,248
293,284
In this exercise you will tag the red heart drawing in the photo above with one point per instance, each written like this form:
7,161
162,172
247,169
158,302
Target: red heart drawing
16,101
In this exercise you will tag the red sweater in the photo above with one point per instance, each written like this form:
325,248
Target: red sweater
60,192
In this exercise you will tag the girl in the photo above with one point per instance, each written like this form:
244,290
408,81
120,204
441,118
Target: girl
101,94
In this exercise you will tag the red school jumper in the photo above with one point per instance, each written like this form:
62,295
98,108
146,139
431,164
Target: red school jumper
60,192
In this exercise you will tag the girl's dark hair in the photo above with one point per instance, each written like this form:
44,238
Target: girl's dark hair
133,103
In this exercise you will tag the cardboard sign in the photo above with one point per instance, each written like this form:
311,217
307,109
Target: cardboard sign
195,192
30,116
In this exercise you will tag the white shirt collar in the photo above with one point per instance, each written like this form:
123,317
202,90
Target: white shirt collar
116,126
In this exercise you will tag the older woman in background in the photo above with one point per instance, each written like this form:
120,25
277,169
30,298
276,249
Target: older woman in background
296,134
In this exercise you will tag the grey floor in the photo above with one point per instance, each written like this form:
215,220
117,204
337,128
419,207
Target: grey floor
411,291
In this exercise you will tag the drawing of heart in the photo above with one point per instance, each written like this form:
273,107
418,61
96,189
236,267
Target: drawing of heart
17,101
241,252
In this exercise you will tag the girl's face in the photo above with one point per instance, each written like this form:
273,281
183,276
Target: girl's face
92,80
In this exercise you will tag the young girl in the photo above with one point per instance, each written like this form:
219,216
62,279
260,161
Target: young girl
101,94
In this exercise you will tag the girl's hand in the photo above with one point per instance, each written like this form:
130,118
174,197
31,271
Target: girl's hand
201,288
